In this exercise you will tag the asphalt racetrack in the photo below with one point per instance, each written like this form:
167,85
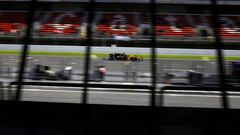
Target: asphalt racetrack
132,50
183,98
116,73
116,70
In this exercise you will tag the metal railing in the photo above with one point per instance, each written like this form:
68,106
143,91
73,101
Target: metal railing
1,91
195,88
12,94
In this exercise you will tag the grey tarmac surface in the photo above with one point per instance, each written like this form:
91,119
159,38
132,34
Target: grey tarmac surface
176,98
103,96
143,68
127,98
132,50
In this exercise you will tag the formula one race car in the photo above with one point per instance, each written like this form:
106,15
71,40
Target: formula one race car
44,72
124,57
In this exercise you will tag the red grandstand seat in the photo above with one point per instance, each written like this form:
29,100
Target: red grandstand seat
11,27
228,25
173,25
59,29
59,22
119,24
12,22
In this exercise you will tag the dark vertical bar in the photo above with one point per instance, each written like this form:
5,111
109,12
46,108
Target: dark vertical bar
219,47
1,91
153,51
24,52
152,122
88,48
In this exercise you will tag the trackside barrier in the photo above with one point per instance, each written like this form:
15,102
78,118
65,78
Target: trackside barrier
162,90
1,91
131,76
11,94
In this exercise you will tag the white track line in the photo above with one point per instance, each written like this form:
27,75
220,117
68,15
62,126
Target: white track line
126,93
177,91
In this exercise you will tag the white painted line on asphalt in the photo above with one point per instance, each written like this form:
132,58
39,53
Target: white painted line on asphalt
233,92
184,95
128,83
78,88
53,87
188,95
60,91
144,90
192,91
118,93
93,92
126,93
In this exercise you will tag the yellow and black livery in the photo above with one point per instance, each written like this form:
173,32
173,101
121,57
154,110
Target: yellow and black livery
124,57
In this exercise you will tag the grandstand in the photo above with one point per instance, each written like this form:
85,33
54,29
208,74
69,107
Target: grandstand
58,22
12,22
121,24
117,24
171,25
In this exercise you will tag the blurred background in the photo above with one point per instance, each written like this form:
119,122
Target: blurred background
122,34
